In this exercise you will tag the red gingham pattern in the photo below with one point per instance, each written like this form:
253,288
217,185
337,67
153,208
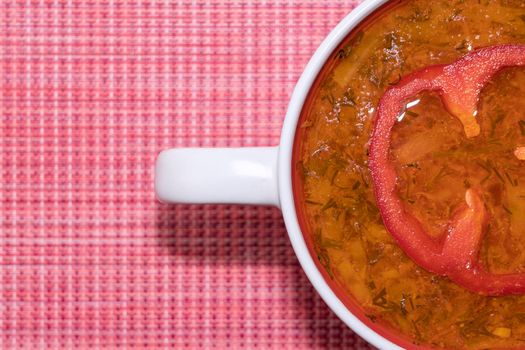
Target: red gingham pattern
91,91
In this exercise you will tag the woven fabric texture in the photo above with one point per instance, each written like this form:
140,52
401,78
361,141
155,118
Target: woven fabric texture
91,91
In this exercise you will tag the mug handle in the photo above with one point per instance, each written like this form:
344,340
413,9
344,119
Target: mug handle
218,176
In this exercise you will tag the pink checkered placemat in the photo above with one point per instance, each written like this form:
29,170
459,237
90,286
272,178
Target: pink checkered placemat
91,91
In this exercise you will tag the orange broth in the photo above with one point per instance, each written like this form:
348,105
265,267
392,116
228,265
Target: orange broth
435,164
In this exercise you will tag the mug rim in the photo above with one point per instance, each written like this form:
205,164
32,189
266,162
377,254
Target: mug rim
286,196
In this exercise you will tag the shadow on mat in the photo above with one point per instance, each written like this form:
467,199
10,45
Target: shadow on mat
251,236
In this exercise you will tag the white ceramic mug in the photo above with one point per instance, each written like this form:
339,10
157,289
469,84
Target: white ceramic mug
263,176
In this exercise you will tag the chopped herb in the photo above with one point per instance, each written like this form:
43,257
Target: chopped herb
322,253
418,333
462,47
372,285
380,299
347,50
349,98
497,172
331,243
486,178
421,15
336,172
436,177
374,253
474,326
372,318
410,301
330,98
324,259
423,318
411,114
487,169
341,54
514,183
330,204
390,39
403,305
309,201
372,208
499,118
329,83
374,79
522,127
364,179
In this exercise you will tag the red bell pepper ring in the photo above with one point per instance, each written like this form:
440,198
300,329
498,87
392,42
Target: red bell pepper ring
456,254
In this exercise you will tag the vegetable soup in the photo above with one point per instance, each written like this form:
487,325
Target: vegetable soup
451,176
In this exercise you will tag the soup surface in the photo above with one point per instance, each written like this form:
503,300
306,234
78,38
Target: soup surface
435,164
